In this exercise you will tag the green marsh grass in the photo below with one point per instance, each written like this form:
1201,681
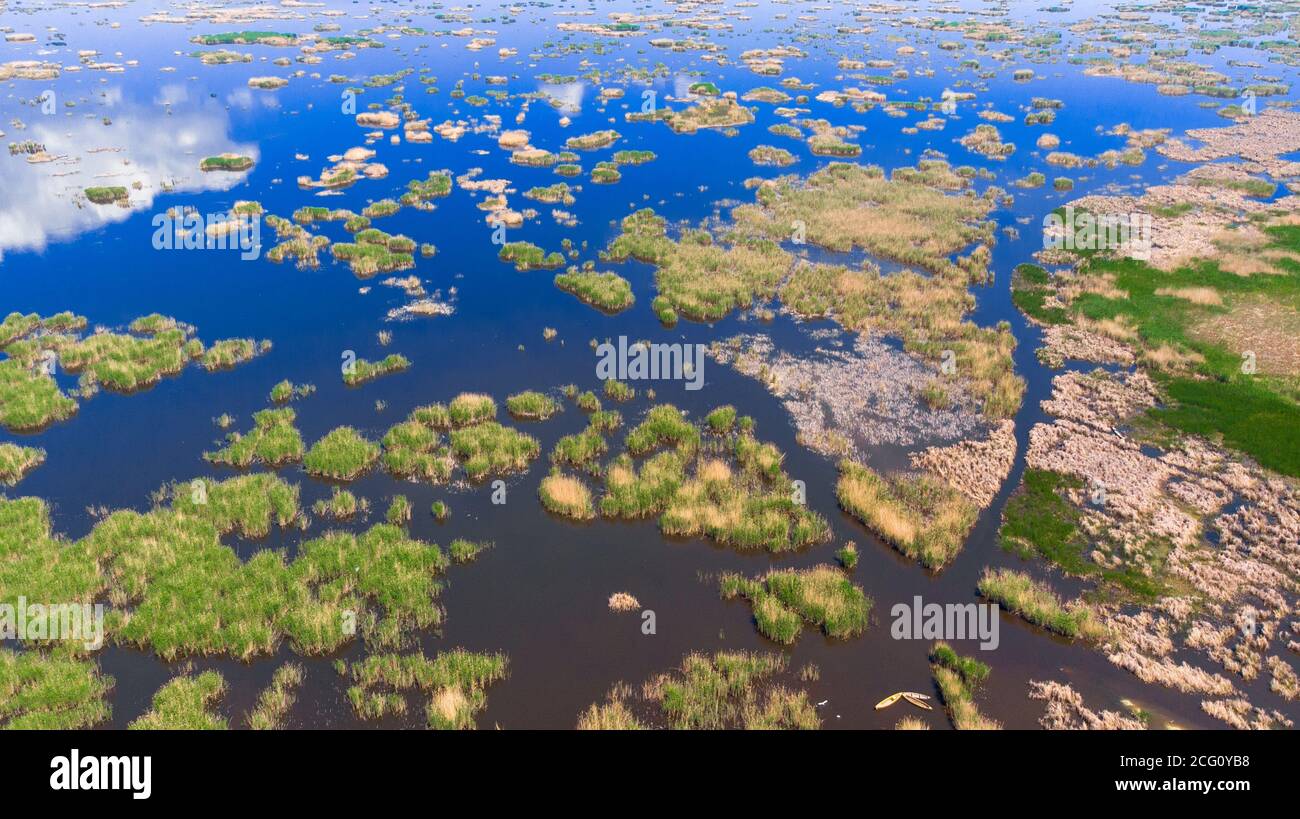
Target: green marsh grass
488,448
471,408
634,157
848,555
958,678
532,405
44,692
185,703
274,702
609,292
821,595
730,690
340,505
721,420
1035,601
528,256
633,493
616,390
581,449
1195,345
558,194
106,195
695,276
464,551
228,352
454,682
399,511
374,252
1038,520
413,449
16,461
592,141
664,425
342,454
606,173
362,370
274,440
30,400
36,564
919,515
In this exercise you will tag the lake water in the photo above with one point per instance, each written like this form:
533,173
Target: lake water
540,594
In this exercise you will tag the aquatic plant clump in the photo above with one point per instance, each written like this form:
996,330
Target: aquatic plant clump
783,600
341,455
275,701
919,515
453,682
958,678
532,405
375,252
727,690
153,347
1033,600
16,461
528,256
750,505
566,496
274,440
413,449
696,276
52,693
609,292
185,704
362,370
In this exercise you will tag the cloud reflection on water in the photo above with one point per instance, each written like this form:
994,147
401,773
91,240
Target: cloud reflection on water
144,144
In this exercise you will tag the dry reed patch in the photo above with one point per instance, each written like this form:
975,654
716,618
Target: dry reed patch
567,496
1204,296
714,471
1266,328
622,601
449,704
920,515
846,206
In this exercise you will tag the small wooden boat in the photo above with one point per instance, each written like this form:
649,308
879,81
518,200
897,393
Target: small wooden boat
888,701
915,695
919,703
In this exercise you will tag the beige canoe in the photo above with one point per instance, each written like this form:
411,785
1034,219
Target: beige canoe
888,701
919,700
911,696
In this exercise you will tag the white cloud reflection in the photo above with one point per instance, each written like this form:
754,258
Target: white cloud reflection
144,144
568,96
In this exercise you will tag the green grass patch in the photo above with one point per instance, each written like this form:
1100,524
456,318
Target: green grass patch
274,440
532,405
453,682
822,596
341,455
185,704
362,370
276,699
609,292
51,693
488,448
528,256
16,461
919,515
1035,601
